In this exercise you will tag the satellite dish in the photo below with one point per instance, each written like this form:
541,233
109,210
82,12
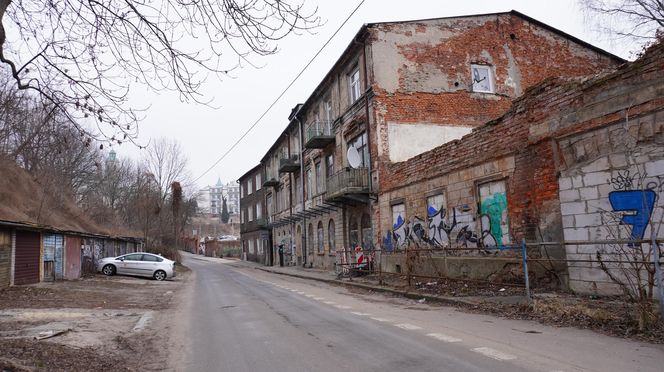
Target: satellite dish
353,156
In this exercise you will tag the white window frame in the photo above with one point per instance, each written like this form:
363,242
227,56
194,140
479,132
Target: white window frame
489,70
250,185
250,213
259,211
258,181
354,84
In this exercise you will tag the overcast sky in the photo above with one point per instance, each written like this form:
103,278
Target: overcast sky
205,133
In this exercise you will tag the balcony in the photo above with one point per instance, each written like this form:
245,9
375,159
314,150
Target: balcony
289,164
349,185
319,135
261,223
270,180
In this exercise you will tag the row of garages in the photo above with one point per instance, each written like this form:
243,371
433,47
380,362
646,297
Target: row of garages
31,255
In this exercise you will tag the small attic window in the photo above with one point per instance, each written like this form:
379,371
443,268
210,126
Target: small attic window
482,76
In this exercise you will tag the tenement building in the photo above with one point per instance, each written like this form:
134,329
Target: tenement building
254,234
401,89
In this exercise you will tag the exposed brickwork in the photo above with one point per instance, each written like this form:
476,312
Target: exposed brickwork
563,126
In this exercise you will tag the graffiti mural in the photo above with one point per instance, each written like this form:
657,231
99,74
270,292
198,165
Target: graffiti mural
634,199
493,205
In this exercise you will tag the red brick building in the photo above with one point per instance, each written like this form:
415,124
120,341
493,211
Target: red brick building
401,89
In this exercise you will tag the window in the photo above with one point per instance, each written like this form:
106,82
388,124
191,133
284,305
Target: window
320,185
482,78
242,216
329,164
353,232
398,214
321,238
250,186
367,239
151,258
435,203
354,84
327,110
331,236
242,191
268,203
259,247
298,190
259,211
251,213
310,238
251,246
258,181
310,184
360,144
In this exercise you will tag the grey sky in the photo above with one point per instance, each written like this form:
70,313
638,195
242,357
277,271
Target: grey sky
205,133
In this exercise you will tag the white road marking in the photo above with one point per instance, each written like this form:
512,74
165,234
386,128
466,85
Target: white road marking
319,298
382,319
330,303
442,337
293,290
407,326
310,296
493,353
343,307
359,313
299,292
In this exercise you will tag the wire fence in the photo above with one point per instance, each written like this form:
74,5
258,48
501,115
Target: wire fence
622,262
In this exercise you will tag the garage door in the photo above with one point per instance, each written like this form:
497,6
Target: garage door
26,267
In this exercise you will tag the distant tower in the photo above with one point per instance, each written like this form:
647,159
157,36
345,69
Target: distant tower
111,159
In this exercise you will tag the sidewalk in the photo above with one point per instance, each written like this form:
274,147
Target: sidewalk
331,277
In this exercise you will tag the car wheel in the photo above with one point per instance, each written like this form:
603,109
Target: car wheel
159,275
108,270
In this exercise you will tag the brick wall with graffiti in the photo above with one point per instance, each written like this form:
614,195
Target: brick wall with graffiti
466,208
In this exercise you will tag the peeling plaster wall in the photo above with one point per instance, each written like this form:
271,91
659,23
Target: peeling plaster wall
408,140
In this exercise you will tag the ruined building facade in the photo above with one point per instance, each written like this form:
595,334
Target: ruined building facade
402,89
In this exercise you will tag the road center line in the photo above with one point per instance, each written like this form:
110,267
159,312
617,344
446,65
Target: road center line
407,326
359,313
442,337
381,319
493,353
343,307
330,303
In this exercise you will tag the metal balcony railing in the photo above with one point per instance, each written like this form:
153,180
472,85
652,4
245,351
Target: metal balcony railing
270,179
347,182
319,134
289,164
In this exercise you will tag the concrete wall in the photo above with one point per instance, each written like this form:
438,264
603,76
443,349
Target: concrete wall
615,192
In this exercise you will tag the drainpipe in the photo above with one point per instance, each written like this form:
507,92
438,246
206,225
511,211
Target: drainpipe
366,107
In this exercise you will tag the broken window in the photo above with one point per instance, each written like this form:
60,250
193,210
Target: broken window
398,214
360,144
482,78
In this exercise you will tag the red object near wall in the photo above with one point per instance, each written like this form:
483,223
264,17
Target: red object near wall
72,257
26,266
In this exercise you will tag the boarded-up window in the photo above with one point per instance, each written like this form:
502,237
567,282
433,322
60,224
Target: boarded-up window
435,203
493,211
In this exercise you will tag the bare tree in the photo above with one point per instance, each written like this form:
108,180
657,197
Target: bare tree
80,56
639,20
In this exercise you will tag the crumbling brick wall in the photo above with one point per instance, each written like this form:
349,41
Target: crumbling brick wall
565,139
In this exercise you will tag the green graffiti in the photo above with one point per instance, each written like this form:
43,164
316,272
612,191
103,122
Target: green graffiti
493,207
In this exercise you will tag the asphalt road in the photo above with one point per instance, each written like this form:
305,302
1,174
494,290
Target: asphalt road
242,319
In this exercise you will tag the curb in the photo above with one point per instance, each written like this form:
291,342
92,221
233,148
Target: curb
406,294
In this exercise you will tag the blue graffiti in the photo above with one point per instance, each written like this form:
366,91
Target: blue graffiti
640,203
387,242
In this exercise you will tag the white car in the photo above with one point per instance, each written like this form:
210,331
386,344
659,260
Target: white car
142,264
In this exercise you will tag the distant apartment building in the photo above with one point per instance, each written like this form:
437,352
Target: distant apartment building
210,198
398,90
254,233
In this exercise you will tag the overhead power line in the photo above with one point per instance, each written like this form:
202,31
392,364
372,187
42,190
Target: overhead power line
237,142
